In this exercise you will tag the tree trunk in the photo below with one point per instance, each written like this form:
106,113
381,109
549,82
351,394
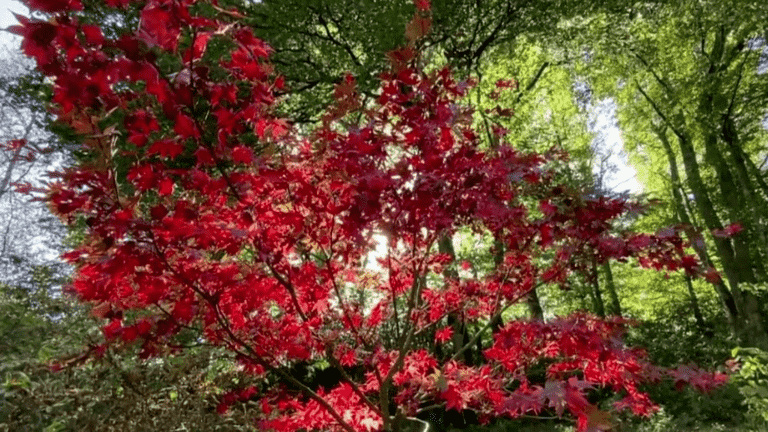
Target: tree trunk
755,206
460,335
695,305
699,246
748,322
597,296
744,266
498,258
611,288
534,305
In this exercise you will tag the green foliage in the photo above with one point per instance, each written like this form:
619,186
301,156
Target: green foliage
117,394
671,336
752,379
532,424
315,43
40,327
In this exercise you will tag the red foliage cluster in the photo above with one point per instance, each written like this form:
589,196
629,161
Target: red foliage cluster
205,212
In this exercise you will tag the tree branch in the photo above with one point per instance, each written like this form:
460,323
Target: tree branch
655,107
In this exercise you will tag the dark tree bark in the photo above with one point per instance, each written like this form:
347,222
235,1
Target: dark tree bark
695,305
748,319
682,213
460,335
597,296
534,305
611,288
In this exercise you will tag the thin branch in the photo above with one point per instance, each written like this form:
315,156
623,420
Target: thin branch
533,82
650,69
335,363
234,339
655,107
736,88
290,288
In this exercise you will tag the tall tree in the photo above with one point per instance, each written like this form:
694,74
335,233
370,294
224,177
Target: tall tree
548,106
691,69
29,234
315,41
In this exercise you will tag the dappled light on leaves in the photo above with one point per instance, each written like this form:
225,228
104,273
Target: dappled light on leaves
207,213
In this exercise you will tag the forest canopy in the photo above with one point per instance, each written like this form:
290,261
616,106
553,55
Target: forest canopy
393,215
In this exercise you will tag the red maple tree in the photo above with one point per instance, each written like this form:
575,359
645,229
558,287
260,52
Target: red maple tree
206,213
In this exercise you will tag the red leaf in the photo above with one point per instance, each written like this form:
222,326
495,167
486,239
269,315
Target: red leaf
712,276
547,208
14,144
166,187
54,6
400,58
346,356
729,231
261,128
158,212
504,84
113,329
446,139
204,157
280,82
242,155
129,334
422,5
143,177
38,36
500,131
186,127
201,42
454,399
159,27
143,327
166,148
377,314
444,334
418,28
222,408
182,311
93,34
555,393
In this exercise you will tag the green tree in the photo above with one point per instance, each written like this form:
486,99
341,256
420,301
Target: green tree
317,41
685,76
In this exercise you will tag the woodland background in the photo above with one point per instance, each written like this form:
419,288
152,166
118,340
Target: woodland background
685,82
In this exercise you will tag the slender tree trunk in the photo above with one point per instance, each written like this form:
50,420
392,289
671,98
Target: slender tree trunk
755,171
699,246
695,305
753,240
755,206
597,296
460,335
5,181
534,305
498,258
611,288
744,265
750,328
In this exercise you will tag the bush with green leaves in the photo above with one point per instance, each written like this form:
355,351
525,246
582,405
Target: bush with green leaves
40,326
751,378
